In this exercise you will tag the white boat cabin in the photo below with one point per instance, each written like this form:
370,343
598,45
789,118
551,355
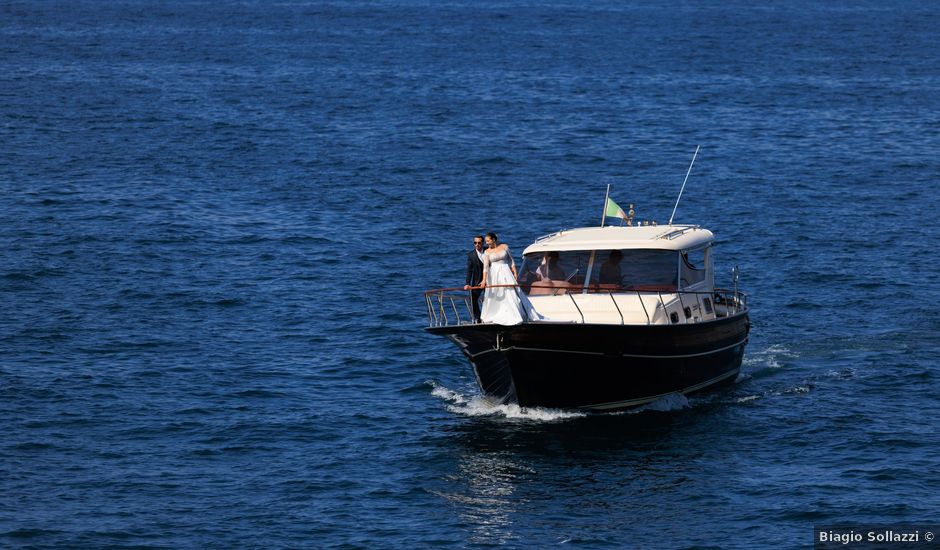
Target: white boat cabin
622,275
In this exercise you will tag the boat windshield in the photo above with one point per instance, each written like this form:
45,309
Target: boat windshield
642,269
638,269
567,268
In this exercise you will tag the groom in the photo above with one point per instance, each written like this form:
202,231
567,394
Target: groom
475,275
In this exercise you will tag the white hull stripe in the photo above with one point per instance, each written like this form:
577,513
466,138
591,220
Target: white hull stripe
709,352
644,400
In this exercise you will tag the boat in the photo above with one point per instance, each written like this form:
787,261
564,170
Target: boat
631,314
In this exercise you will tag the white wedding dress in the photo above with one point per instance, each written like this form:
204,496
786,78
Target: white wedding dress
504,305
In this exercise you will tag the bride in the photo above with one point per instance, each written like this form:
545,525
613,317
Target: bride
503,305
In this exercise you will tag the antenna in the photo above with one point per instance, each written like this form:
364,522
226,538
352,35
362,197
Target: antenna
683,185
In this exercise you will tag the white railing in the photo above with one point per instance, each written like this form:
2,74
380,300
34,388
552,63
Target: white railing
453,306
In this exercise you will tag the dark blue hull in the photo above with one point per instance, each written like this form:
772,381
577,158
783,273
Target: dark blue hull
601,367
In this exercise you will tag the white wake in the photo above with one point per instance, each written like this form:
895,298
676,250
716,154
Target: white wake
480,406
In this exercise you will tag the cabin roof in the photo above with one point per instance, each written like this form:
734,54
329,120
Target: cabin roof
657,237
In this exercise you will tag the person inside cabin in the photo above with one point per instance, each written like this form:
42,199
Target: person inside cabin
610,269
549,270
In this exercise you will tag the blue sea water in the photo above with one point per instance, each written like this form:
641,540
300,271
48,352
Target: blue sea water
217,220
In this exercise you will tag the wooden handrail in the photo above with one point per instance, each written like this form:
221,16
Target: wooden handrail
461,289
594,289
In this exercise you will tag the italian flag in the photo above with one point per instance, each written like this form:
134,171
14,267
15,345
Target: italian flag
614,211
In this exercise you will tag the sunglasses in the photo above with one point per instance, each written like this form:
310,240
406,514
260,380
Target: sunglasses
477,242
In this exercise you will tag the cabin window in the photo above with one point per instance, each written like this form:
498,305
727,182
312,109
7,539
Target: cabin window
558,272
639,269
692,267
553,272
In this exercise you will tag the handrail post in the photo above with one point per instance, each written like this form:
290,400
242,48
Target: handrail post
454,306
640,298
440,300
466,302
612,299
432,318
576,307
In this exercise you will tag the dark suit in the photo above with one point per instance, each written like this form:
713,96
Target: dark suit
474,278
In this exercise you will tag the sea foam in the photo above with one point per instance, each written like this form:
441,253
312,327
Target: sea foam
481,406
